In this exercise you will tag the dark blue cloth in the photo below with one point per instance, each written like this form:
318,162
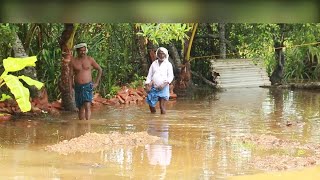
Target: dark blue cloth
83,93
154,95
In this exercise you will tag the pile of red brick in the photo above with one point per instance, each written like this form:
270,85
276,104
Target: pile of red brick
125,96
41,105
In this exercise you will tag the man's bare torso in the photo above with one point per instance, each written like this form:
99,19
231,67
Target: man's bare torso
82,69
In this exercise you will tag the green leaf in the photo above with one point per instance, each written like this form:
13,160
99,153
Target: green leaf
31,82
15,64
5,97
164,32
20,93
144,28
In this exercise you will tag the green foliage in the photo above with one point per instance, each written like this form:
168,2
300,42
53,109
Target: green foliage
50,70
201,66
164,33
203,47
302,56
294,67
112,46
16,64
20,93
44,44
137,81
113,91
7,37
255,41
5,97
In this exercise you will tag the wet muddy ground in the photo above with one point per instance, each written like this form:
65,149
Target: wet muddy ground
95,142
209,135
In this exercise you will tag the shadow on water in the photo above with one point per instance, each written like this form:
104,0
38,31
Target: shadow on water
197,137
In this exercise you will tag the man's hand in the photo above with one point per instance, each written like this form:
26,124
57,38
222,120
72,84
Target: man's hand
162,85
147,87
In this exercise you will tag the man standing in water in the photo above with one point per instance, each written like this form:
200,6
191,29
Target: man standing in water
159,77
81,70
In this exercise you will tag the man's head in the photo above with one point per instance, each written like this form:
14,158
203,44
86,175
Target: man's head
81,49
162,54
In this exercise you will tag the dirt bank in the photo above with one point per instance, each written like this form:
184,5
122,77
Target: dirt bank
94,142
280,154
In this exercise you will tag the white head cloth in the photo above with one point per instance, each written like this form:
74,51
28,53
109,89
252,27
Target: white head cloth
165,51
157,78
80,45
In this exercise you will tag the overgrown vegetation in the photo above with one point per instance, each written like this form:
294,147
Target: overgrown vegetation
7,37
114,47
20,92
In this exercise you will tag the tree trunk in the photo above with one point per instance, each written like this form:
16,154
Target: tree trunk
277,75
65,84
175,58
222,40
210,83
184,78
29,36
211,40
228,43
29,71
142,53
152,48
188,42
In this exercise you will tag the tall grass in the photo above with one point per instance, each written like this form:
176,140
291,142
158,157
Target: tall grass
49,67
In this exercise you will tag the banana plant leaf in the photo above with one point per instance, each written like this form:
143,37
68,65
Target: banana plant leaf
15,64
31,82
20,93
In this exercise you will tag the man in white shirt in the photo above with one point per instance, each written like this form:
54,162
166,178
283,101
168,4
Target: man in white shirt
159,77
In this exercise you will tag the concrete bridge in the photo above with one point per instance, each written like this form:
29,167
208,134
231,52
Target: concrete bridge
239,73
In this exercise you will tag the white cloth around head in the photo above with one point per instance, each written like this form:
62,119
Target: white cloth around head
80,45
165,51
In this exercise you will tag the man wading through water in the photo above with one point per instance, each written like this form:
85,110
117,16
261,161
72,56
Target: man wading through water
81,71
159,77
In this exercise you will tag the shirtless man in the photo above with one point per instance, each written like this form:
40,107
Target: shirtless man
81,70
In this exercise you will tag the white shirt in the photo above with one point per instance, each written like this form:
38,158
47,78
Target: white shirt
160,73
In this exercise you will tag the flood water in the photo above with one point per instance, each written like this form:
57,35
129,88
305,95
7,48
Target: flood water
196,131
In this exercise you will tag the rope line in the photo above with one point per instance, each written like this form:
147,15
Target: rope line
298,45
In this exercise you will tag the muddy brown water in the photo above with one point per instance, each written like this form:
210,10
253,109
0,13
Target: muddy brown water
197,133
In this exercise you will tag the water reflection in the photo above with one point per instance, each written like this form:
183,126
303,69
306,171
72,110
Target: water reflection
159,154
197,137
294,113
73,129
